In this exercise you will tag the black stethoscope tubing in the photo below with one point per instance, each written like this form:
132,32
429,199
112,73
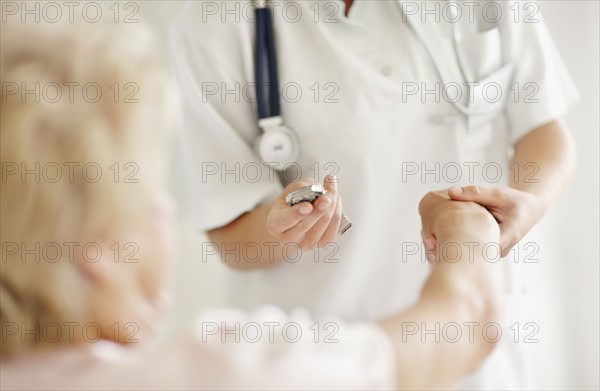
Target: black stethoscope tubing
265,68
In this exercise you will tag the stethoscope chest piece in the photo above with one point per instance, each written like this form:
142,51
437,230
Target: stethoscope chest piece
278,144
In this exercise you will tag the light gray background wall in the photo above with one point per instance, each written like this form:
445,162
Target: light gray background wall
566,282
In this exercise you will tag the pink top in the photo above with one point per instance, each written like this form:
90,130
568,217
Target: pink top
225,349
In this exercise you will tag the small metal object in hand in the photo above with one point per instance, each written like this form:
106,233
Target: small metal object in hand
310,194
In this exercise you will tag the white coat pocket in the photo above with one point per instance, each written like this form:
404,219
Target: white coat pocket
483,52
488,97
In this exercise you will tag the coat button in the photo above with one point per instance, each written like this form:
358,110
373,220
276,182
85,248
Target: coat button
386,70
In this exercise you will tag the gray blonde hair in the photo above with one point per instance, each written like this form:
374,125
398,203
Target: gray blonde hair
43,134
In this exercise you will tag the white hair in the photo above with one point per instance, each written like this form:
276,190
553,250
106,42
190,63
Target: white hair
38,131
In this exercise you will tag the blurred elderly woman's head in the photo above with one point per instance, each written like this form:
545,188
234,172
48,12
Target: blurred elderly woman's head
85,223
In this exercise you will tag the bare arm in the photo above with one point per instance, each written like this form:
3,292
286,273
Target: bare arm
274,225
249,228
466,291
543,163
545,159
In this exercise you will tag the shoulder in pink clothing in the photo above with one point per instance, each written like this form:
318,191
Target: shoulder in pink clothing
224,349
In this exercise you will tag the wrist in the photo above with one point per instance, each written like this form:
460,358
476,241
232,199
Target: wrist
484,229
536,204
537,201
473,289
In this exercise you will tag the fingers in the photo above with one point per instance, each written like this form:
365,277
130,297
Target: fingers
330,183
333,228
313,236
486,196
496,201
304,223
331,222
311,229
282,218
299,233
430,242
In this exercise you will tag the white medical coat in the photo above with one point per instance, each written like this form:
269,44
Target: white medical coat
348,91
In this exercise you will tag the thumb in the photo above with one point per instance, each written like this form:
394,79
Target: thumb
482,195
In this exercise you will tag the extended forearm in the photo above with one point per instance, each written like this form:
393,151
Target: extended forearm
543,162
248,229
464,296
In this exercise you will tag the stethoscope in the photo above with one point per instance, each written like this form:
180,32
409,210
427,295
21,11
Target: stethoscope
278,145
